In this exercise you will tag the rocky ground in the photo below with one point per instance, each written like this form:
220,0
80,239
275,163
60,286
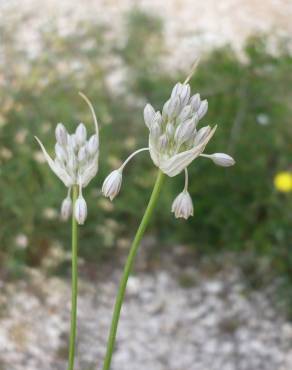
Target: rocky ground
177,315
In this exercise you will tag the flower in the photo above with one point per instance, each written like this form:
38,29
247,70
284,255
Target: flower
175,140
75,162
112,184
182,206
283,182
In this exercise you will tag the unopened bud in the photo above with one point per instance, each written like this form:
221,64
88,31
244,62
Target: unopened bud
81,134
92,145
66,208
112,184
174,106
185,130
195,102
176,90
182,206
61,153
222,159
202,134
82,154
185,94
80,210
61,134
149,114
185,113
203,109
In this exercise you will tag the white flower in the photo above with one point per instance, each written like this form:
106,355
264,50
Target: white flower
112,184
174,142
66,208
80,210
182,206
76,158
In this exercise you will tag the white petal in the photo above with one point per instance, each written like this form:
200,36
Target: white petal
174,165
55,167
203,109
182,206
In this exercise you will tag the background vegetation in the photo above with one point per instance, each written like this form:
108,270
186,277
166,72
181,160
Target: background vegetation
236,209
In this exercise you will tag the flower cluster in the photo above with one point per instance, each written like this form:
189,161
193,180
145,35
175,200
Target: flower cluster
75,163
174,142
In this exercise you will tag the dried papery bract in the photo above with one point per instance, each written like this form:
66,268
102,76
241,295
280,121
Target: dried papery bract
75,163
174,141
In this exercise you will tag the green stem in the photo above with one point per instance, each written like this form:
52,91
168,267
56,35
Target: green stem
74,283
128,267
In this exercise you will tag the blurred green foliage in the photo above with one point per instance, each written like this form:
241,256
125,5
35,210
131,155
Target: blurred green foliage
235,209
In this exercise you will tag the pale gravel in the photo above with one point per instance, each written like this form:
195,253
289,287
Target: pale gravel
214,323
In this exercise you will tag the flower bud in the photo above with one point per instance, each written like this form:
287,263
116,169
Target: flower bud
112,184
149,114
80,210
81,134
185,113
174,106
202,134
92,145
82,154
203,109
169,130
177,89
165,109
182,206
185,130
162,142
61,153
222,159
195,102
61,134
66,208
185,94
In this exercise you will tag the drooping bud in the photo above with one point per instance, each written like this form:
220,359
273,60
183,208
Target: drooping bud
182,206
195,102
149,114
92,145
81,134
80,210
66,208
222,159
112,184
61,134
203,109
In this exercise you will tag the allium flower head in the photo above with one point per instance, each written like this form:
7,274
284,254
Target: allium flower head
75,162
174,137
175,140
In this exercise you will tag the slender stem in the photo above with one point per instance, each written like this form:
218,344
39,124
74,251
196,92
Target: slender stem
74,284
128,267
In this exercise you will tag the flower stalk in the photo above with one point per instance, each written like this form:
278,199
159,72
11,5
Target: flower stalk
74,282
128,267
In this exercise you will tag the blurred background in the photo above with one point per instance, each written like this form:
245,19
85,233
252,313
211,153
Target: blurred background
213,292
